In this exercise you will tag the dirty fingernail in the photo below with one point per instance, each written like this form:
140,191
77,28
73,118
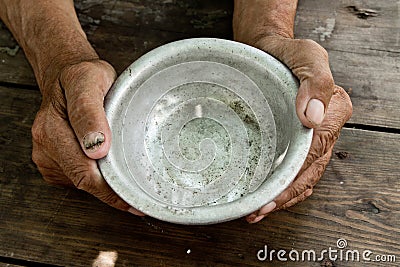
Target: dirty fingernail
92,141
308,192
267,208
257,219
315,111
136,212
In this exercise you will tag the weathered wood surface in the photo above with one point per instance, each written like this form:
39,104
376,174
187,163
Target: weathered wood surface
357,199
364,46
9,265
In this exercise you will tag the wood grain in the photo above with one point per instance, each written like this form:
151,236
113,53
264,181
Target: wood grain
357,199
364,51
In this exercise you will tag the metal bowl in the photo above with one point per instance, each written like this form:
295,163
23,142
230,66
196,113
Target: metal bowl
204,131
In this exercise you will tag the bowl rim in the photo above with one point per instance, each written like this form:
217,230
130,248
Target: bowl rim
279,180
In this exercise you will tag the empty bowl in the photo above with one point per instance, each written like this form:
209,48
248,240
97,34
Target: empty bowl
204,131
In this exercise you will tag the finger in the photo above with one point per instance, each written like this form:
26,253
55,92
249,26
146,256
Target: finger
85,86
306,180
300,198
309,62
256,219
261,213
311,66
80,169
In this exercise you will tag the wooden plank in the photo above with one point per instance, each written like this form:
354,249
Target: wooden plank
364,52
14,68
126,30
357,199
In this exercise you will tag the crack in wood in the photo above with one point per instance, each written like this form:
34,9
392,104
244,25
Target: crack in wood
342,154
362,13
372,128
373,208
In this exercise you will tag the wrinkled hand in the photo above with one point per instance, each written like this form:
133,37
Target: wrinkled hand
70,130
324,138
319,104
309,63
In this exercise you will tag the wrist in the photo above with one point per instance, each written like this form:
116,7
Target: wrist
255,20
48,66
55,43
49,33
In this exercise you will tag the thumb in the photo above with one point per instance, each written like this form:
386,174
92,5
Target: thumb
85,85
309,62
316,84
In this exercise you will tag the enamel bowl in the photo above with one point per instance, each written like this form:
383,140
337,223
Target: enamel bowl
204,131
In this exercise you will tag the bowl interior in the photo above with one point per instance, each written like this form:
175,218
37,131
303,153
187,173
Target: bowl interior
204,131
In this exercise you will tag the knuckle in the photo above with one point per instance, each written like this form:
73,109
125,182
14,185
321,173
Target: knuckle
83,175
82,72
38,128
75,71
345,102
311,45
82,180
